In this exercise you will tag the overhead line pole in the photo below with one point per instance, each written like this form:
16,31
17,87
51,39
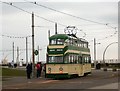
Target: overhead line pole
33,56
26,50
17,61
13,54
94,53
38,53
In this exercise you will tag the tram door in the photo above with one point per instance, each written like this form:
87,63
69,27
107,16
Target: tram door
81,73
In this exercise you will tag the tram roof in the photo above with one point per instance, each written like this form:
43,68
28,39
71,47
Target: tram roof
65,36
59,36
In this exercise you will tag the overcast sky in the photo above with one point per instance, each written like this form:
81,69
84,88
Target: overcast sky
18,23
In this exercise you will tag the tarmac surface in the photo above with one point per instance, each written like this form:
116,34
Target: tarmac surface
98,80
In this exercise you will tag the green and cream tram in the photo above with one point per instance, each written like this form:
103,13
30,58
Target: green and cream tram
67,56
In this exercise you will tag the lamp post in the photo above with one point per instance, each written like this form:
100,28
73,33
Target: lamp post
17,58
95,52
105,52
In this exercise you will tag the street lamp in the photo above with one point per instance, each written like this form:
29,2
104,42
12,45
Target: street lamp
105,51
17,58
95,52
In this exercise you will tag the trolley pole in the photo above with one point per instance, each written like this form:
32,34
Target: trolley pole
33,56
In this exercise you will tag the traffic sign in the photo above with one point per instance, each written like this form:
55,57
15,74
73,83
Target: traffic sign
36,52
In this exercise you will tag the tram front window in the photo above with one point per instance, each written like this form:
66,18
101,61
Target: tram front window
57,41
54,59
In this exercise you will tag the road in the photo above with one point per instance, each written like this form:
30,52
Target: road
97,80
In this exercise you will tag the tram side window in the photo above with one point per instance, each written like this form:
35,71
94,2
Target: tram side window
87,59
67,41
76,58
80,45
66,59
71,58
70,41
80,59
74,42
83,59
84,45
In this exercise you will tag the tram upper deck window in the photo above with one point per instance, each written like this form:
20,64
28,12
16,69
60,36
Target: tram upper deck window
60,41
53,42
85,45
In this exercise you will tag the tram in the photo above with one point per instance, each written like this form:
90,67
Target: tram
67,56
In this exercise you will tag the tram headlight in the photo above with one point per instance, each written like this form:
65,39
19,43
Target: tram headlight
61,70
49,70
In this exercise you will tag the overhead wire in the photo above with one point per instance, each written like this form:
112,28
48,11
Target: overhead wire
31,13
20,37
36,15
50,20
15,50
116,32
106,24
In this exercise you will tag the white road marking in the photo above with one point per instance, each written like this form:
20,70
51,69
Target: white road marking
49,81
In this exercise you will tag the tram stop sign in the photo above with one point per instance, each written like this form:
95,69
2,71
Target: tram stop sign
36,52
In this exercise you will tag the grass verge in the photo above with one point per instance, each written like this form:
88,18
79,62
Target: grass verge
13,72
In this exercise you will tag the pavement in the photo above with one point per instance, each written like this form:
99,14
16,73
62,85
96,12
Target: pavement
20,79
110,86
